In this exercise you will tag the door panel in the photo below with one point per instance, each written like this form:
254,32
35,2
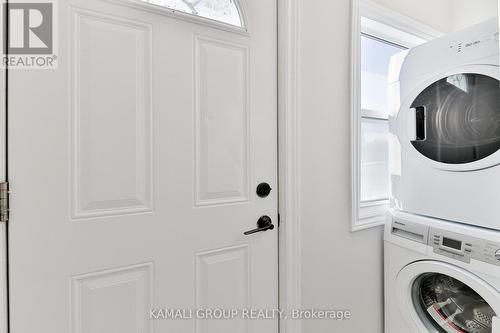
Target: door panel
111,128
110,300
133,173
222,138
218,274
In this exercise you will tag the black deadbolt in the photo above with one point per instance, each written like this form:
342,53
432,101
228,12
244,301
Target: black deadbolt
263,190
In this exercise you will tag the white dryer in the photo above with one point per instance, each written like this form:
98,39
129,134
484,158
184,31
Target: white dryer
445,127
440,277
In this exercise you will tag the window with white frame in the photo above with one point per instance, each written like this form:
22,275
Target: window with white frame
376,55
378,35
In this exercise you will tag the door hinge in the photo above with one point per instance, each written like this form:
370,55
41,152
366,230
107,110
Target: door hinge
4,202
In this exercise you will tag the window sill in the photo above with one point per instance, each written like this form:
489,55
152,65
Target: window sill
370,214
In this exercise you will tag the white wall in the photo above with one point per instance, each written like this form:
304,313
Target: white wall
467,12
435,13
445,15
340,270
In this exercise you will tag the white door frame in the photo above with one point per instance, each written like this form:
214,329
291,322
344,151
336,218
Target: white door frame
289,168
289,172
3,176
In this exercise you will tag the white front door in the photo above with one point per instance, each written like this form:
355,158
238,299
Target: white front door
133,170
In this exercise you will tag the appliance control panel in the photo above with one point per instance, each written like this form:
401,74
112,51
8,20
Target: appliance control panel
464,248
473,44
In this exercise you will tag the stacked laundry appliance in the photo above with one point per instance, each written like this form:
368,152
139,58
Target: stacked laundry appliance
442,239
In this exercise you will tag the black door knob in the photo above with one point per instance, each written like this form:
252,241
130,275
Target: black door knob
265,223
263,190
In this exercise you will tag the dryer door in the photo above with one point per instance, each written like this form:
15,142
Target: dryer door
453,122
441,298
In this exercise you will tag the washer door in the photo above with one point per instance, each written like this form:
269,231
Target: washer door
441,298
453,121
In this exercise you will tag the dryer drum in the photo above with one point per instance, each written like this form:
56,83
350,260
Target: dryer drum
460,116
450,306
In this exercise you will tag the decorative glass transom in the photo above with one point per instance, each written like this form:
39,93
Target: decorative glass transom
225,11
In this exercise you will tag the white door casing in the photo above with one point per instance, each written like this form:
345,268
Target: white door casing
133,170
3,175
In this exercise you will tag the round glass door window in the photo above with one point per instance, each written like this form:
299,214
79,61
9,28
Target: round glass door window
458,119
447,305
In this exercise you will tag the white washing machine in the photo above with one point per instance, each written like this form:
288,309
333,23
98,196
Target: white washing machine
440,276
445,127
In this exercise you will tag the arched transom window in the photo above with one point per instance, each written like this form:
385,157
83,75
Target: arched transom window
225,11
